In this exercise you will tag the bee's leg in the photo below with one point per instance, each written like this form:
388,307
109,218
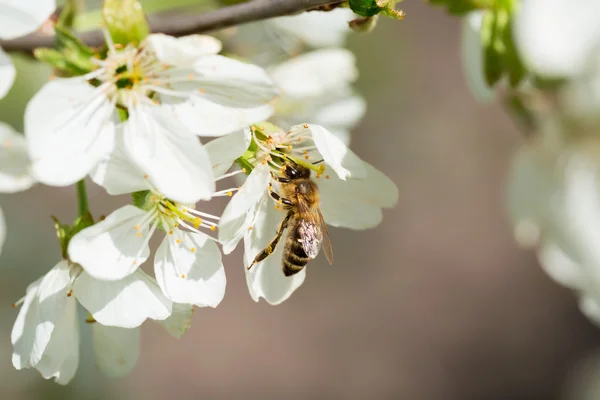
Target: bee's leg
277,197
273,243
281,179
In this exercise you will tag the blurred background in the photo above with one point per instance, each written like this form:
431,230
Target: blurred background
436,303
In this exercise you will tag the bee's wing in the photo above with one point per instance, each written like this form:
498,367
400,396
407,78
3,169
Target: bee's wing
313,231
326,242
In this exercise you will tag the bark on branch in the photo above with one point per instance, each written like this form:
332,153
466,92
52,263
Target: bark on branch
185,24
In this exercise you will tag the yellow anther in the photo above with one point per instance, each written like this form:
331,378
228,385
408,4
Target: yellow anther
326,176
289,147
305,126
306,157
70,293
279,201
277,207
134,262
250,227
145,176
263,162
305,152
299,138
178,241
197,222
182,276
193,249
190,77
170,232
137,227
213,228
244,170
229,193
201,91
176,226
139,234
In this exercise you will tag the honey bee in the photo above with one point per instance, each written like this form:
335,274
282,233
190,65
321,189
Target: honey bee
307,229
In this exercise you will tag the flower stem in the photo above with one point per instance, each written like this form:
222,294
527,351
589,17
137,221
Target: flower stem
82,200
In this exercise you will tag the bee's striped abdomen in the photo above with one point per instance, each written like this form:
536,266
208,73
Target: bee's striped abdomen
294,256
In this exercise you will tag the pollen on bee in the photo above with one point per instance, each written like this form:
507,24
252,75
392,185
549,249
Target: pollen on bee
213,228
193,249
279,201
305,126
70,293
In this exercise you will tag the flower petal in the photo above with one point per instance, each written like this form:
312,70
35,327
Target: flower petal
560,267
190,272
126,303
116,349
557,37
225,150
175,161
52,299
7,73
266,279
205,118
233,223
183,51
23,331
70,127
357,203
318,29
18,18
224,81
117,173
61,358
341,159
472,57
316,73
14,161
180,320
341,115
113,248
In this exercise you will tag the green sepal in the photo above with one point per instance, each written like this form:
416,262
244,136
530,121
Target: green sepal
371,8
70,57
125,21
65,232
139,198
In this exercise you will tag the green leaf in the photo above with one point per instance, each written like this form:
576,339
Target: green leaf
365,8
125,20
59,61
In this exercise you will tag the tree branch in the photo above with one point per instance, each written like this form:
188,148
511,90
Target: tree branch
186,24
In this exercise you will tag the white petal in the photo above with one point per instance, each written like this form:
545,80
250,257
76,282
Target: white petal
116,349
225,81
561,267
126,303
113,248
357,203
266,279
183,51
52,299
70,127
233,225
316,73
180,320
557,37
7,73
23,332
205,118
190,272
61,358
18,18
117,173
175,161
472,57
341,159
225,150
14,161
318,29
340,116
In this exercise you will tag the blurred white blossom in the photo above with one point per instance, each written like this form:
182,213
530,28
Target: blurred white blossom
18,18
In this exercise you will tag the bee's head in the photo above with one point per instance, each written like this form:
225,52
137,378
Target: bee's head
296,171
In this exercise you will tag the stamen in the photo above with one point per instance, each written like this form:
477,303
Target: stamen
19,302
239,171
226,192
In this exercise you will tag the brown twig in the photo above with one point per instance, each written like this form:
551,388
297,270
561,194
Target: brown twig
186,24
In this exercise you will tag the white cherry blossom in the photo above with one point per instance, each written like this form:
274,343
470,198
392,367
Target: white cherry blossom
352,195
18,18
316,86
45,335
187,264
173,89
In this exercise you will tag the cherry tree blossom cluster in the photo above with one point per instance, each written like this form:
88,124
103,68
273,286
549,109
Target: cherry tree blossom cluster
167,120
